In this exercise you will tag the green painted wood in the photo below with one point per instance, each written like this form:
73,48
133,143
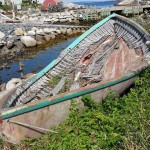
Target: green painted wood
25,109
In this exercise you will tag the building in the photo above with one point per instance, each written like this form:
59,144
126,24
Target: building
37,1
3,1
18,3
48,3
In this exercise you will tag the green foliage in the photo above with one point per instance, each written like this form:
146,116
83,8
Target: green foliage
54,81
5,7
118,124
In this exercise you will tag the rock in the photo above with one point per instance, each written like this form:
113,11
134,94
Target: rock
10,44
33,19
15,82
19,45
82,31
69,31
53,36
27,76
63,31
19,31
126,2
47,37
148,43
47,30
39,42
40,32
34,29
28,41
2,43
3,87
15,38
24,17
31,32
2,35
63,20
58,31
55,20
78,30
40,39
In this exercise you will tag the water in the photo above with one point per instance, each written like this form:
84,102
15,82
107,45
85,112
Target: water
102,4
35,64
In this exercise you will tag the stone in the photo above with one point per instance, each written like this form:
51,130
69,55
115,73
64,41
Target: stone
53,36
31,32
10,44
148,43
14,38
47,30
34,29
82,31
24,18
58,31
2,43
39,42
13,83
40,32
40,39
63,30
2,35
19,45
3,87
47,37
19,31
28,41
33,19
69,31
27,76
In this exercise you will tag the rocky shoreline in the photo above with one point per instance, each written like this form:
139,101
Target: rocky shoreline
18,39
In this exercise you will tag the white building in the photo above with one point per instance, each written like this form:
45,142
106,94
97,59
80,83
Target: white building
16,2
38,1
3,1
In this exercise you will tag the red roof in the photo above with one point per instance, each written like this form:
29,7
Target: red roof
47,3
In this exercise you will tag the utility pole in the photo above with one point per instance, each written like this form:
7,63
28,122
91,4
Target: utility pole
13,10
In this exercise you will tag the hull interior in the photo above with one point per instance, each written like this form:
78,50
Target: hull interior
113,50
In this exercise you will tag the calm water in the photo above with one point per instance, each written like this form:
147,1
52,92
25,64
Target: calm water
103,4
35,64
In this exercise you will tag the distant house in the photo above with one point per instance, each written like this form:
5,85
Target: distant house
37,1
18,3
48,3
3,1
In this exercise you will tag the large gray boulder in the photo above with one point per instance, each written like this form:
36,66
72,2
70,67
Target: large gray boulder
28,41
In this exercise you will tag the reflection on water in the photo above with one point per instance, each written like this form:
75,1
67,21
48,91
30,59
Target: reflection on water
35,64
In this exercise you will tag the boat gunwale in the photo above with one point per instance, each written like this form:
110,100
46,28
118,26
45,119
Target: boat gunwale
19,110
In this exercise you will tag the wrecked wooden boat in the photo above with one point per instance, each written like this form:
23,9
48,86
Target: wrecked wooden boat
106,57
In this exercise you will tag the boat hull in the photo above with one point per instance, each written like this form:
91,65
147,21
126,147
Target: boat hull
50,116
